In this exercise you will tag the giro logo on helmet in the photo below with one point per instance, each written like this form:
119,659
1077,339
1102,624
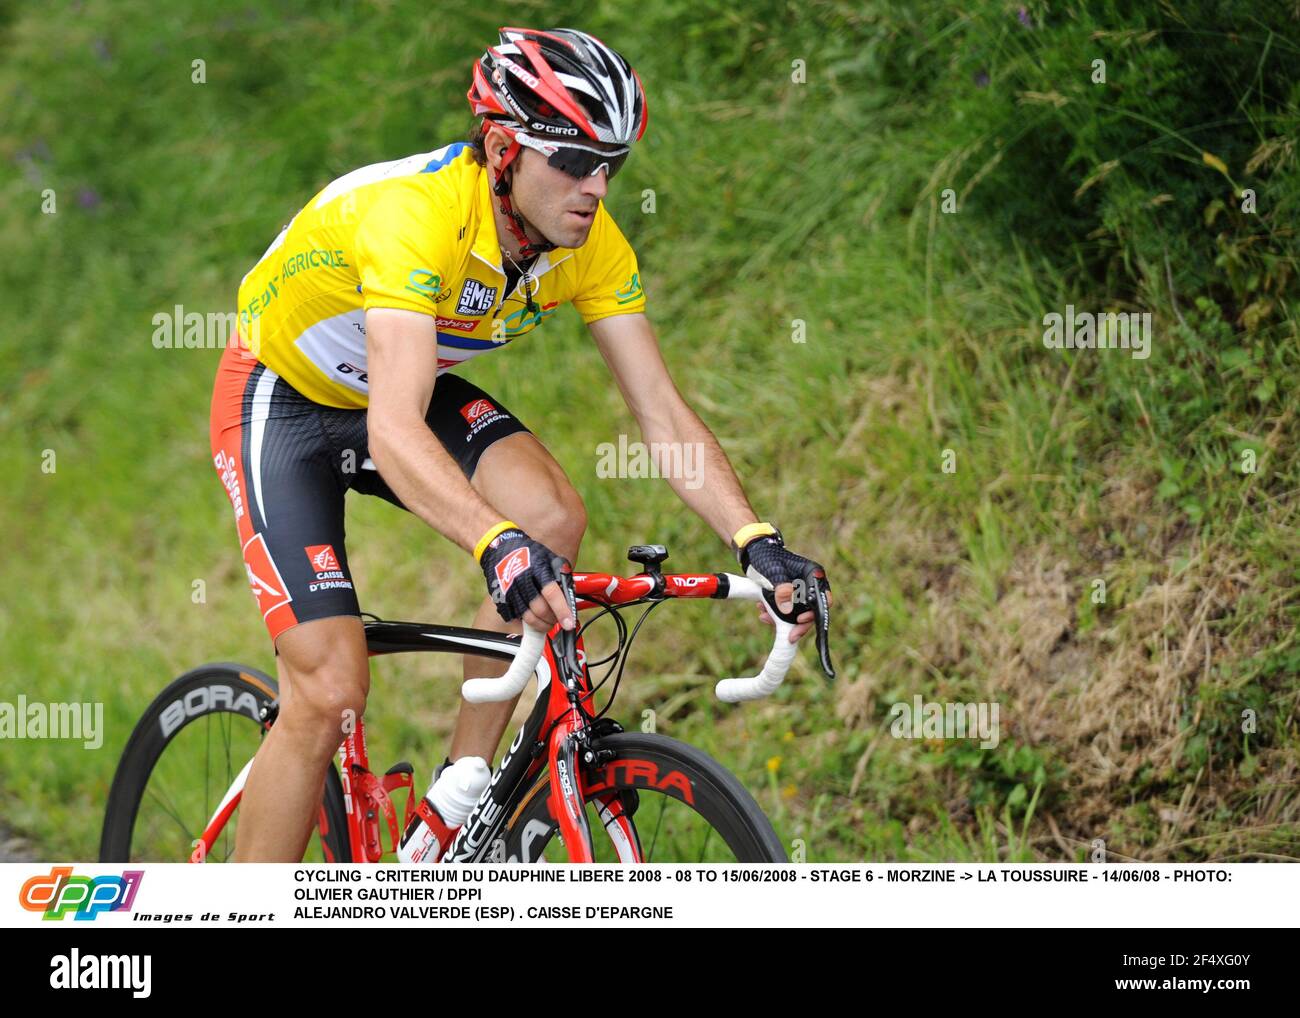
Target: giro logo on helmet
528,79
549,129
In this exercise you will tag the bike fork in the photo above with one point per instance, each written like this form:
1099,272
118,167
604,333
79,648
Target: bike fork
566,793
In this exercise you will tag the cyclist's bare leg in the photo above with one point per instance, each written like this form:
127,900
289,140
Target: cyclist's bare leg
324,679
521,479
282,677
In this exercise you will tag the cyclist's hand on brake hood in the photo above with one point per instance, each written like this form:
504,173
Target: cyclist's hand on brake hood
520,579
793,580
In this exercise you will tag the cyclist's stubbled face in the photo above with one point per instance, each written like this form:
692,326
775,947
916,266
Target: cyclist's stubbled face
561,206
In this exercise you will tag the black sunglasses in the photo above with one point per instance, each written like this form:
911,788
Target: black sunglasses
576,160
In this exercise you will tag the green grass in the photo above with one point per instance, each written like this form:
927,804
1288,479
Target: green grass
775,201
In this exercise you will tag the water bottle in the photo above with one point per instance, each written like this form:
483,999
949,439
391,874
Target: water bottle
445,807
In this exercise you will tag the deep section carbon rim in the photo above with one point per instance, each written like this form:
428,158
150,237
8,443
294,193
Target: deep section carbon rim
183,755
684,806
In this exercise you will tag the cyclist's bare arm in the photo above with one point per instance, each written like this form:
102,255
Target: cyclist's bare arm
402,362
631,349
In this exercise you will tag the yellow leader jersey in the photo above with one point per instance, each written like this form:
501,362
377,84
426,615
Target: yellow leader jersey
416,234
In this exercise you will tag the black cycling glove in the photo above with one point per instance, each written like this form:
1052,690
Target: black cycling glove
768,562
516,569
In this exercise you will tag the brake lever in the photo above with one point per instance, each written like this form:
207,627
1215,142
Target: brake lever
567,639
822,621
817,588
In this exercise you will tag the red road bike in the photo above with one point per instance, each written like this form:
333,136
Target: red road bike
573,785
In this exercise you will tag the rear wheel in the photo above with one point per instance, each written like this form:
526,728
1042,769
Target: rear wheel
183,756
674,802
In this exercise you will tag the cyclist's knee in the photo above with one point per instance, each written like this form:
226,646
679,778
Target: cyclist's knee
330,694
324,707
327,677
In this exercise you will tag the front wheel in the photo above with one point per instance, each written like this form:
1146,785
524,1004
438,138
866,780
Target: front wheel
183,756
657,800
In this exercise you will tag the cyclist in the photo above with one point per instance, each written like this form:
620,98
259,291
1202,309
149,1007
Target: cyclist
348,326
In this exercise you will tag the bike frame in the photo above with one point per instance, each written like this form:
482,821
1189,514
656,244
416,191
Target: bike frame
560,733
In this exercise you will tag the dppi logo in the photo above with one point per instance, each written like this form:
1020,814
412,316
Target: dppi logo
59,893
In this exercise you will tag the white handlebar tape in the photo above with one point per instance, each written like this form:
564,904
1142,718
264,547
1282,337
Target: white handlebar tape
774,668
778,662
512,683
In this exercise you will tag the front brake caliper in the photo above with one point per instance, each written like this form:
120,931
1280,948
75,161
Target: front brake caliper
601,755
597,755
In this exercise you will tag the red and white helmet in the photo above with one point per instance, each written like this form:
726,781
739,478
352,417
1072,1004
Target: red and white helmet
559,84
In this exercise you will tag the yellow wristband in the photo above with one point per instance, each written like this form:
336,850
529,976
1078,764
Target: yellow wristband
750,531
490,536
